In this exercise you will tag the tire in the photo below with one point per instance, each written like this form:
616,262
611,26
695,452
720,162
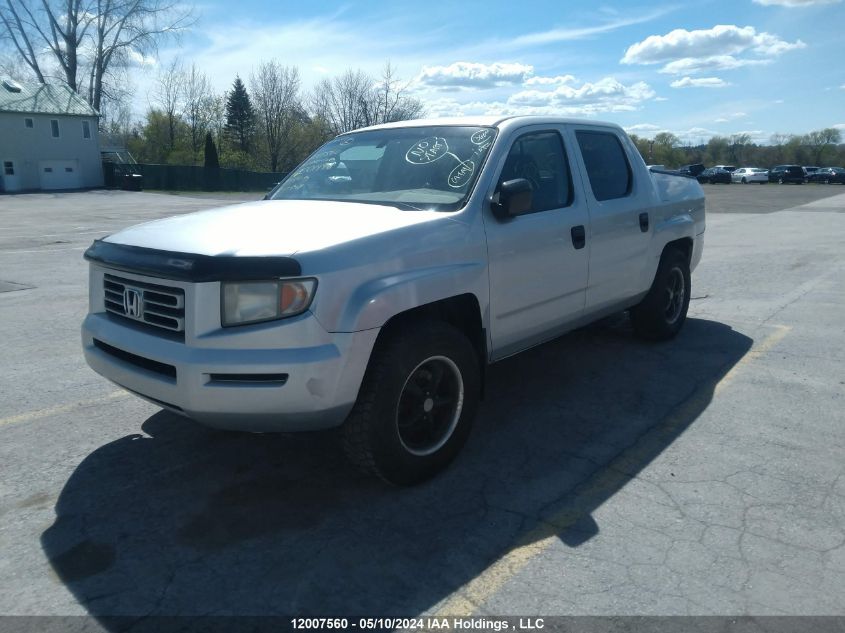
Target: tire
661,314
744,181
780,181
397,429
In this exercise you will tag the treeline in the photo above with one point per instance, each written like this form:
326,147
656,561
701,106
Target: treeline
267,123
821,148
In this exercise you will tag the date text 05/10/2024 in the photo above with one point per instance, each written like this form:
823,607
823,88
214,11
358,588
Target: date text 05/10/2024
421,623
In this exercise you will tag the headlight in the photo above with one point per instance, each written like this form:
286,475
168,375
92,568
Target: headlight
256,301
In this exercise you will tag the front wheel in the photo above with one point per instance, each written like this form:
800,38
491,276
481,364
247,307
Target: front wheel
744,181
416,404
661,314
780,181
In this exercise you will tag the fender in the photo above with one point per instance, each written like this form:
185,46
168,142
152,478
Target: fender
671,229
375,302
667,230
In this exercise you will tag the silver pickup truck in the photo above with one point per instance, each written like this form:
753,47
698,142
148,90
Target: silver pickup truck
373,286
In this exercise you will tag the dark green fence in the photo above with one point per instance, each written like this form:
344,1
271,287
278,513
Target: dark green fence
190,178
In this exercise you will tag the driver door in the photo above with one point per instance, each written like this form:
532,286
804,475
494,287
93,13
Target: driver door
538,262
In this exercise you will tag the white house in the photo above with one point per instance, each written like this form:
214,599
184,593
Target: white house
48,138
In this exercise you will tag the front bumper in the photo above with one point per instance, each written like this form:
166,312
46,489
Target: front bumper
225,384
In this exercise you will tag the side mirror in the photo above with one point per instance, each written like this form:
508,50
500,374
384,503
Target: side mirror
515,198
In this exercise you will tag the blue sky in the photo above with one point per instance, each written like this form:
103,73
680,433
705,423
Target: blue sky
693,68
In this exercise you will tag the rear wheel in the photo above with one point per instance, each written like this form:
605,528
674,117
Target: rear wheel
661,314
744,181
416,404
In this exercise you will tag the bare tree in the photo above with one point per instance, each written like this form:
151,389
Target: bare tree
354,99
86,39
341,101
275,96
198,105
390,101
168,96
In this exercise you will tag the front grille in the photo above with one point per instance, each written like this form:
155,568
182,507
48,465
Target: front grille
152,305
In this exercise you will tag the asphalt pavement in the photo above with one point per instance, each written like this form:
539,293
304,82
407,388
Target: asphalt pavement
605,475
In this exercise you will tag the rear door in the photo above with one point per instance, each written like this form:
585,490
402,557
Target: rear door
620,221
538,262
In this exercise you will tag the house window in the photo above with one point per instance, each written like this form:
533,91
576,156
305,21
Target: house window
48,170
9,168
54,127
29,123
86,129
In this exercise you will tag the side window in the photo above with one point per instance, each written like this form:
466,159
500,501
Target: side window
606,163
54,127
9,168
28,123
540,159
86,129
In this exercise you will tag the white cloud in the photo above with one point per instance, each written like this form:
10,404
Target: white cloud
795,3
730,117
716,48
474,75
137,58
605,95
553,36
839,126
700,82
551,81
643,128
693,65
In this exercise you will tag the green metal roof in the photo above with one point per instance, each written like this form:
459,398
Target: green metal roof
42,99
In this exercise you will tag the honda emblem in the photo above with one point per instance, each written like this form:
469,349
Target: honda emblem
132,303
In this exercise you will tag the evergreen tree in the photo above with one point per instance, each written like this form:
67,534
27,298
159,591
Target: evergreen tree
240,116
211,159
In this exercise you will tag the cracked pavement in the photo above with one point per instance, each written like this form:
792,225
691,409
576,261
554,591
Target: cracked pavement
605,475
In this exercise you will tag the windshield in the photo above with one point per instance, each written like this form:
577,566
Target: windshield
431,168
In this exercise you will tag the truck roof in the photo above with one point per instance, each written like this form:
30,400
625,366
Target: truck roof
498,121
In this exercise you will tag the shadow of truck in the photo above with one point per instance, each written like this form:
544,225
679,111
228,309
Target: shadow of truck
189,521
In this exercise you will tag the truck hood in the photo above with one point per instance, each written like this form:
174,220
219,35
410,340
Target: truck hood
270,227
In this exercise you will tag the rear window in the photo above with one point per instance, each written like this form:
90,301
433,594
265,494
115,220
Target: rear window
794,169
606,163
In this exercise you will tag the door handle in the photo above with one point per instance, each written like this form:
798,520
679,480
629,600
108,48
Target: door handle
579,236
643,222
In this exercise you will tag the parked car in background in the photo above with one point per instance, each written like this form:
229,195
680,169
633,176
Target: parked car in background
728,168
691,170
828,175
786,174
809,171
715,175
744,175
